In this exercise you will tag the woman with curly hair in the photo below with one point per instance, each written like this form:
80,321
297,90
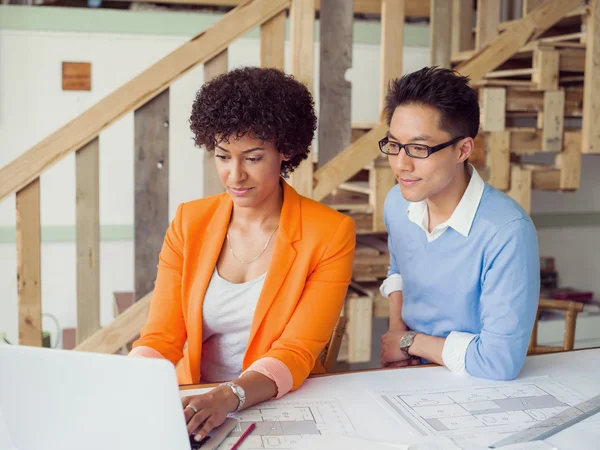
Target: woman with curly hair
253,279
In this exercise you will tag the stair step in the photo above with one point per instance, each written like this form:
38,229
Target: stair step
360,187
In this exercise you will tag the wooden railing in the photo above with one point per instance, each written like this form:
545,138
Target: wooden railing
147,95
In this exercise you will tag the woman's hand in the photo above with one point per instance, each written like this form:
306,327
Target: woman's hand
212,408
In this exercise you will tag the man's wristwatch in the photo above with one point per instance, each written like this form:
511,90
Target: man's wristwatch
406,341
239,393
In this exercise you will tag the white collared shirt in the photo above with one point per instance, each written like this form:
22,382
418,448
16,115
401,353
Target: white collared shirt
461,220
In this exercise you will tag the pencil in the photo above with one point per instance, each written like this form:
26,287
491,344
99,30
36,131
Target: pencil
244,436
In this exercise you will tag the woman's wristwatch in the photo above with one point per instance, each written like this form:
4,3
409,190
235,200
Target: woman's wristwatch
238,392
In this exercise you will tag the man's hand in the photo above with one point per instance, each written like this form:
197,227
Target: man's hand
212,408
390,350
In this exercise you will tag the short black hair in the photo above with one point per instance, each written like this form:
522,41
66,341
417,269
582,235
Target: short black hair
442,89
264,103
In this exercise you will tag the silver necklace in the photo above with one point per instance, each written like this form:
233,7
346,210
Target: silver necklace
255,258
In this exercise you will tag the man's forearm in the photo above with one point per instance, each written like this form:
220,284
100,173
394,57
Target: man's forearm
428,347
396,301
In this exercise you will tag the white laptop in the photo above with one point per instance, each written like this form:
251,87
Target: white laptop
67,400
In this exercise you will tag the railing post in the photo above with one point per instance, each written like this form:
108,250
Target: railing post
151,180
88,239
211,184
302,17
29,267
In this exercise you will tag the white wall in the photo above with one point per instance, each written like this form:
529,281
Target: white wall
33,105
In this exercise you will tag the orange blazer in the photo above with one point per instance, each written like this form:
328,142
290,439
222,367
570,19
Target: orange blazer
302,295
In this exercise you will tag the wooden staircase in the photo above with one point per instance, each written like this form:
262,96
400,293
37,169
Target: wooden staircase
541,67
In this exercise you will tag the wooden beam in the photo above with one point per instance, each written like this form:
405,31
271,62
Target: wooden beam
545,69
302,38
569,161
120,331
359,311
462,25
520,186
529,5
525,141
349,162
211,183
501,48
527,100
135,93
493,107
151,185
440,29
29,265
335,93
553,121
87,174
591,85
414,8
272,42
545,178
497,151
392,32
381,180
488,19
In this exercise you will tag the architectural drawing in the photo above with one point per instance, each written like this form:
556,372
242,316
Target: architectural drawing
283,425
464,413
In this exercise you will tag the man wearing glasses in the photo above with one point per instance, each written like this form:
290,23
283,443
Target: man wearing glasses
464,276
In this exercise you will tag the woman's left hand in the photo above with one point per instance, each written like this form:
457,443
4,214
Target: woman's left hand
212,408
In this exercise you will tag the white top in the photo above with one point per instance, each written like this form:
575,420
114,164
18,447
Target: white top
455,347
227,314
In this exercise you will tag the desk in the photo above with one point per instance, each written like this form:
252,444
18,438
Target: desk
578,370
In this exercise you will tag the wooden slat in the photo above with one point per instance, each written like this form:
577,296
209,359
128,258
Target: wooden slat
302,36
335,91
520,187
497,150
382,179
591,105
569,161
151,185
359,311
272,42
135,93
29,268
545,69
488,19
509,73
440,29
462,23
120,331
545,178
529,5
553,121
211,184
361,187
392,32
493,107
348,163
517,34
524,100
525,141
87,174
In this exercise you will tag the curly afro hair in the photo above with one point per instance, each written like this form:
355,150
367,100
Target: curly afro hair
263,102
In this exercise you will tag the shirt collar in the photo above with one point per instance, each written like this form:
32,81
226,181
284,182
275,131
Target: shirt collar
463,215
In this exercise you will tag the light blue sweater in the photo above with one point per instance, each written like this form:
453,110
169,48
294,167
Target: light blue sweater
486,284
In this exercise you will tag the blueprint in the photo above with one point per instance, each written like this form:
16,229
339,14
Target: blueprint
284,425
466,413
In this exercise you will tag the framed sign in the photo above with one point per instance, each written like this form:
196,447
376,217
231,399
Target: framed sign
76,76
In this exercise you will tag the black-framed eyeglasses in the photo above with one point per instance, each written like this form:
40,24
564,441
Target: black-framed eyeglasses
420,151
